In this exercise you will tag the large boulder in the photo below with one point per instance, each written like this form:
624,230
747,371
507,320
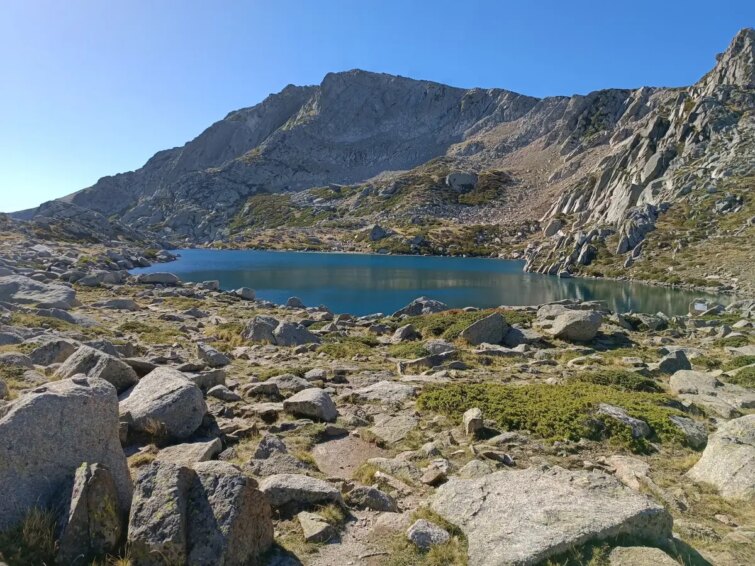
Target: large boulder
290,334
22,290
311,403
52,351
230,520
158,278
576,325
260,329
525,517
92,522
96,363
164,403
421,305
47,434
728,461
489,330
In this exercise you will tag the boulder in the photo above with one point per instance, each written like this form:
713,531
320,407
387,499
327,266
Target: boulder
295,303
462,181
223,393
528,516
92,521
311,403
489,330
576,325
189,453
472,421
728,462
260,329
386,392
393,429
364,497
673,362
290,334
315,528
424,534
404,333
118,304
21,290
95,363
421,305
552,227
211,356
48,433
695,435
229,518
158,278
164,404
298,489
639,428
288,382
158,522
52,351
245,293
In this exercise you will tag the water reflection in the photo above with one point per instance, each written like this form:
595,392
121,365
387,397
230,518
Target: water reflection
362,284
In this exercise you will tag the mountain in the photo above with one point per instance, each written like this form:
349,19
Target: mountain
575,184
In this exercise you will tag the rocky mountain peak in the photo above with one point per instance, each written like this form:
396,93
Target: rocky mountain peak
736,65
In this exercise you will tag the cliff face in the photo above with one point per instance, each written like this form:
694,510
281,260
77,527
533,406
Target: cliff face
598,169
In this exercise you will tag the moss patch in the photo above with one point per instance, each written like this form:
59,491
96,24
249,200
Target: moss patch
558,412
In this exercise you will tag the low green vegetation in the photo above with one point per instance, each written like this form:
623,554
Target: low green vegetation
152,333
449,324
559,412
272,211
738,362
345,348
744,377
619,379
408,350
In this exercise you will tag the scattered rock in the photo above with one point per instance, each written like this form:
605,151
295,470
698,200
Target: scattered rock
315,528
21,290
363,497
489,330
313,403
472,421
424,534
576,326
211,356
421,305
285,489
158,278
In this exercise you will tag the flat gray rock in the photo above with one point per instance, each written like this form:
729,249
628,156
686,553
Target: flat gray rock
728,461
22,290
525,517
576,325
389,392
95,363
489,330
282,489
312,403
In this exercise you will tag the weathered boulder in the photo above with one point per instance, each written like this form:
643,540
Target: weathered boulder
724,399
189,453
524,517
92,520
95,363
295,303
290,334
673,362
404,333
229,518
364,497
48,433
158,522
311,403
386,392
315,528
158,278
424,534
489,330
576,325
22,290
52,351
298,489
245,293
287,382
211,356
421,305
695,435
461,181
728,461
472,421
260,329
639,428
164,403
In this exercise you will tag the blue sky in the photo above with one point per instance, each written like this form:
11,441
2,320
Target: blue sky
95,87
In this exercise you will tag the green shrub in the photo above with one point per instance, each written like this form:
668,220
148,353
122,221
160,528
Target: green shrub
343,348
32,541
738,362
745,378
449,324
408,350
620,379
558,412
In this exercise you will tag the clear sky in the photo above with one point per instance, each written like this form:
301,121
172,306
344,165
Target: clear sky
95,87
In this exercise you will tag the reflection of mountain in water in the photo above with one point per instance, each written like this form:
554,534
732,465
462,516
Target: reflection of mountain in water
362,284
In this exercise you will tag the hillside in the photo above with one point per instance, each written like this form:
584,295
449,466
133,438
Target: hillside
573,184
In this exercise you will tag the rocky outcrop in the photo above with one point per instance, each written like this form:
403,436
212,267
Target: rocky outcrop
508,517
25,291
37,459
95,363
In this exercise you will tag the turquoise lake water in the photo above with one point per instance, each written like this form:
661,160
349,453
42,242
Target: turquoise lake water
363,284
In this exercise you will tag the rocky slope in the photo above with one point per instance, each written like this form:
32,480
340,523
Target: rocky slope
148,421
561,181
